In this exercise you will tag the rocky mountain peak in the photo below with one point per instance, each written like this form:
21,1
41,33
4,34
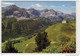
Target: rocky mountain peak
11,6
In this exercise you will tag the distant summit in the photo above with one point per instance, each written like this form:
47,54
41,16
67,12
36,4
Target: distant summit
14,11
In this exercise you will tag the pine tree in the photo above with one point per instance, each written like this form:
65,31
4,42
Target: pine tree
41,41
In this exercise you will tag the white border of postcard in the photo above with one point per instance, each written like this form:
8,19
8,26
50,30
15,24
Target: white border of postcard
52,54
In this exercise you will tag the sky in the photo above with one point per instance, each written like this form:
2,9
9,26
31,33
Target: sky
64,6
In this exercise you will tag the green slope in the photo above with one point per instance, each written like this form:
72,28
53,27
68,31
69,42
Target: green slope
57,34
26,46
59,30
54,32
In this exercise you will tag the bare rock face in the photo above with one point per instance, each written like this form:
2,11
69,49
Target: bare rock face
15,11
47,12
33,12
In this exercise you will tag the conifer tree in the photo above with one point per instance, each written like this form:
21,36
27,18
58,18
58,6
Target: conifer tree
41,41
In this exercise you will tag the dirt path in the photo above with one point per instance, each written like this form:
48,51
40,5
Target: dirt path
29,43
52,42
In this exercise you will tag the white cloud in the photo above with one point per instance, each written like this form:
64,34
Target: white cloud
8,3
32,5
63,5
37,5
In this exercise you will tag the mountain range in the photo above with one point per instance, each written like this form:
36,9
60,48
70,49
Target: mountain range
22,13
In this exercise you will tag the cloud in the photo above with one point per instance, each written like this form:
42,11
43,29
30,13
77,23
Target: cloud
63,5
32,5
8,3
37,5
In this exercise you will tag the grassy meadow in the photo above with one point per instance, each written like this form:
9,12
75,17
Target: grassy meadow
62,37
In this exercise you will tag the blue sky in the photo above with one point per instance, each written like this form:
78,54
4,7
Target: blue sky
63,6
